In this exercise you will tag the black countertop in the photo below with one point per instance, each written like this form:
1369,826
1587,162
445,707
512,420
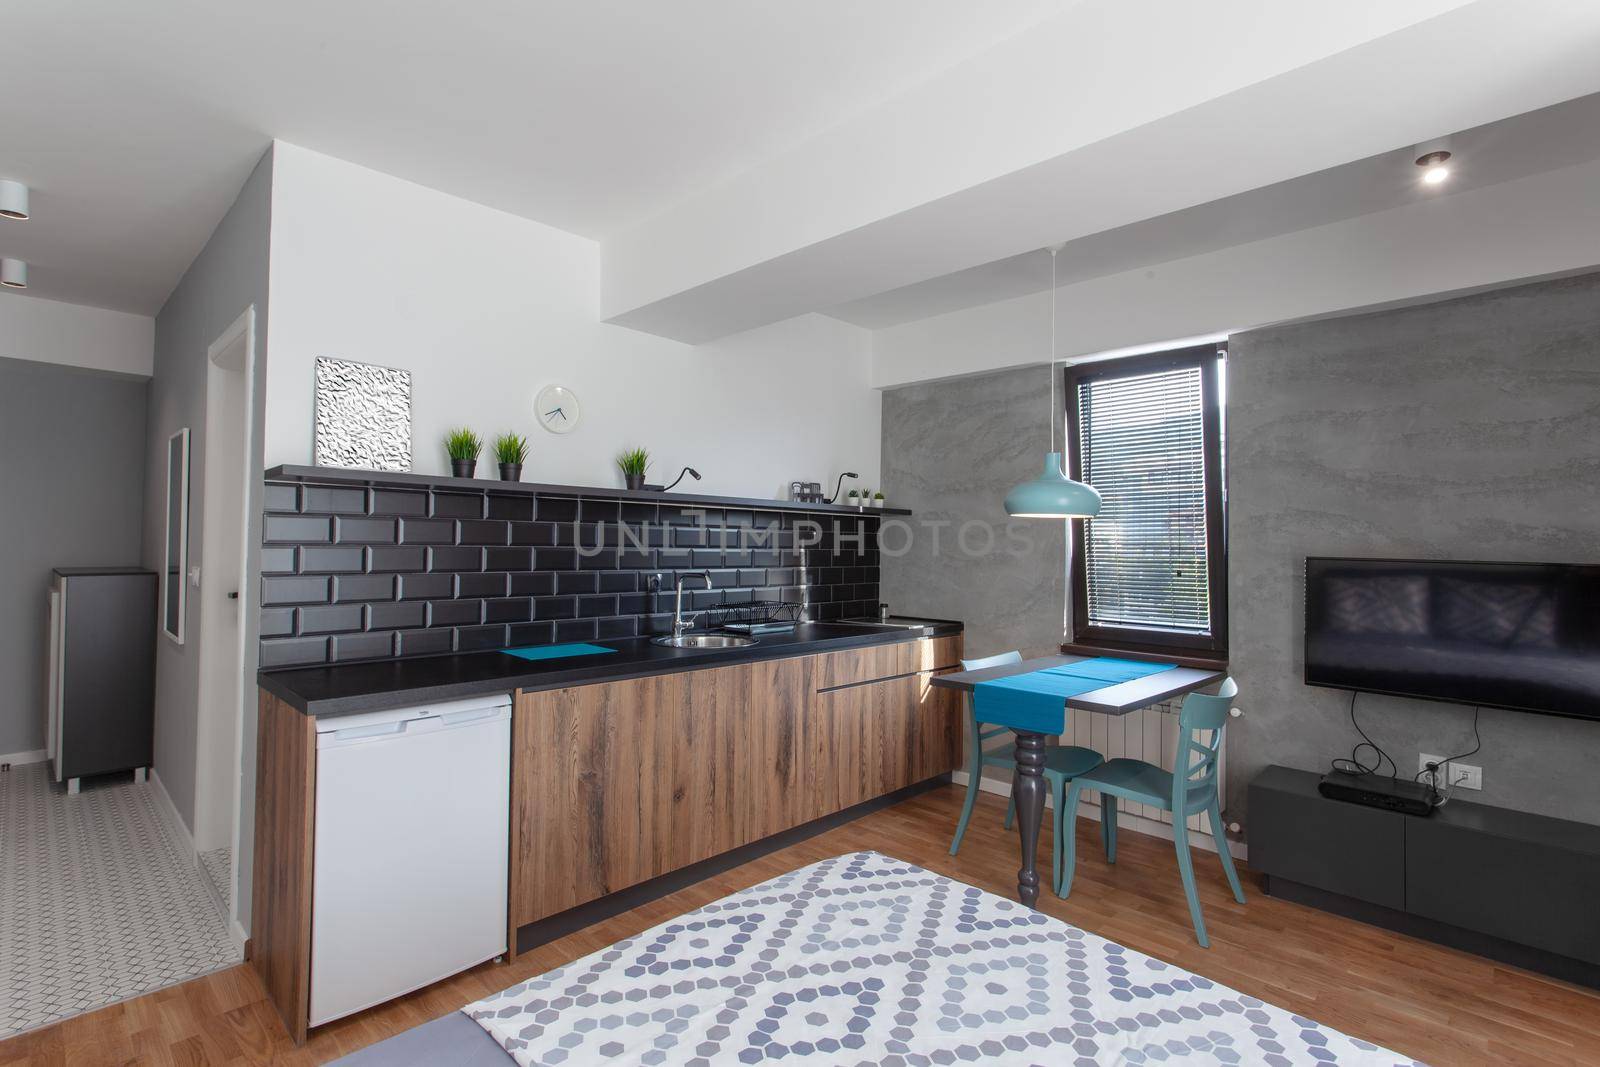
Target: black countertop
353,688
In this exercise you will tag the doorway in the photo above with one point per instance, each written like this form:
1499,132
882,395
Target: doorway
225,601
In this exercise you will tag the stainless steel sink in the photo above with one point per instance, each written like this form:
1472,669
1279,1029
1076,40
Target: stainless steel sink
705,641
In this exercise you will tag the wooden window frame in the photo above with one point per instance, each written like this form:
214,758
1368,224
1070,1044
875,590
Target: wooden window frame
1149,640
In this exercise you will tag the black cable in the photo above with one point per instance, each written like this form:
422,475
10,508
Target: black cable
1477,739
1433,770
1353,764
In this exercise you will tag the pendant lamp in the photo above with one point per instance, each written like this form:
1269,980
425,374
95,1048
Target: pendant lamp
1053,495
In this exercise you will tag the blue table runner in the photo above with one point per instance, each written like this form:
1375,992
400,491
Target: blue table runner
1036,702
556,651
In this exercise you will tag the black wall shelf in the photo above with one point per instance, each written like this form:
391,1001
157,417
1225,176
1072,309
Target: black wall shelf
387,479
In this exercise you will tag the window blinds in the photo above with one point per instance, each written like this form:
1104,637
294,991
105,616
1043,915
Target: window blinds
1141,443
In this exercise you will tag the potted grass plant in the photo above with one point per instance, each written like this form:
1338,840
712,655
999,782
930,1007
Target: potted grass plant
633,463
463,447
510,450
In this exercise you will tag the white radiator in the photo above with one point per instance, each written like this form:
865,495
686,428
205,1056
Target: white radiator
1150,734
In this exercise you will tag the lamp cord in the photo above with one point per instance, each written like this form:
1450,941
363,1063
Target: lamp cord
1053,252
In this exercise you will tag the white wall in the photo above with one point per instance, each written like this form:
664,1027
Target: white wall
1544,224
485,308
48,331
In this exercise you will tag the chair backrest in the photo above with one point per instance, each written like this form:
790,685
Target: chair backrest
1195,767
999,659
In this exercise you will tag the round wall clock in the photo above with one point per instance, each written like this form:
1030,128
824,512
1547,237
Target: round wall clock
557,409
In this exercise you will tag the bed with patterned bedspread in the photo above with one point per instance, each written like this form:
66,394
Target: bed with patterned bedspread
865,959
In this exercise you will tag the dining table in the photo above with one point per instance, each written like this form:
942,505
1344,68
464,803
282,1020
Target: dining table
1048,719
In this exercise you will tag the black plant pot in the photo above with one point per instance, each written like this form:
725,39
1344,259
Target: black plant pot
634,481
511,472
463,468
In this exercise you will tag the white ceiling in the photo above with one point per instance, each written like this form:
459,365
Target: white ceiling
136,123
1532,143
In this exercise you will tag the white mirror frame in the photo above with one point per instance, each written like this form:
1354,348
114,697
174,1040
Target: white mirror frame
180,587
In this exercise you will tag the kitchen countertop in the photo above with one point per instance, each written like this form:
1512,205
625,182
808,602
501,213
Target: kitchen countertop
352,688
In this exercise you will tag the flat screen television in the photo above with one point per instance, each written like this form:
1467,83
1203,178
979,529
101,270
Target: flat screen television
1524,636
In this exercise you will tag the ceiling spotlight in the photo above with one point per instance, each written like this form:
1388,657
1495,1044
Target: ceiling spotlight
1433,167
13,199
14,272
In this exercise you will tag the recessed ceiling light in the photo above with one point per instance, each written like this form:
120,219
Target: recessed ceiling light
14,273
1433,167
13,199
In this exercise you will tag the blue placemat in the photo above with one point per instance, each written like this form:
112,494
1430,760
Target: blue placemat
556,651
1036,701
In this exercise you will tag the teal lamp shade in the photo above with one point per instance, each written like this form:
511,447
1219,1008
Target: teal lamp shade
1053,495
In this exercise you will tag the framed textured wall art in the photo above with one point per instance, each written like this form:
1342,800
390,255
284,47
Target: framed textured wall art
363,416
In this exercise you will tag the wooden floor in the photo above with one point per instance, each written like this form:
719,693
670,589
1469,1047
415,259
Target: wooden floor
1433,1003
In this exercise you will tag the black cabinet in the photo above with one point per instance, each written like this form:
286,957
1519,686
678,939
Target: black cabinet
102,671
1516,887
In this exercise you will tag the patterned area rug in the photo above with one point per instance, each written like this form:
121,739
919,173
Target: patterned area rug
98,902
863,959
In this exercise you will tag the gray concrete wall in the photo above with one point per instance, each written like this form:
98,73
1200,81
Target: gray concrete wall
1467,429
228,276
951,451
71,494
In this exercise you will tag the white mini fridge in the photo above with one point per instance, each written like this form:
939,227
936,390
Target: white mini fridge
410,849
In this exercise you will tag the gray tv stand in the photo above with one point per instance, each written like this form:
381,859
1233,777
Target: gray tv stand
1514,887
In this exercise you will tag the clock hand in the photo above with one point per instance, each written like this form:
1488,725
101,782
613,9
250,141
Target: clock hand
556,411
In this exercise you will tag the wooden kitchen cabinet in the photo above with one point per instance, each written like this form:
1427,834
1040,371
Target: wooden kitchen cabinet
616,783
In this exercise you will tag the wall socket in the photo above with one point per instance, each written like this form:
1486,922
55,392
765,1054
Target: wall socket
1457,775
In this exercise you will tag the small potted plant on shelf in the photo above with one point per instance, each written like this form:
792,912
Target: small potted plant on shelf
877,499
463,446
633,463
510,450
853,498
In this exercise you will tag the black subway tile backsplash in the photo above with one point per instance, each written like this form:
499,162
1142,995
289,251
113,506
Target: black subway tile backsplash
397,615
457,505
470,585
480,638
346,559
427,532
347,647
508,559
427,586
349,587
276,591
399,502
293,652
330,618
281,498
347,530
533,583
296,530
277,560
358,574
452,559
455,612
515,508
395,560
329,500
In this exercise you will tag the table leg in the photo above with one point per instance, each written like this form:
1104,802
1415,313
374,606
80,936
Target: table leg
1028,788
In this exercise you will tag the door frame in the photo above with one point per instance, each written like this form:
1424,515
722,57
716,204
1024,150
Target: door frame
243,328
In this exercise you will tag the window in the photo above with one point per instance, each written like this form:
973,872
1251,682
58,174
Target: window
1150,571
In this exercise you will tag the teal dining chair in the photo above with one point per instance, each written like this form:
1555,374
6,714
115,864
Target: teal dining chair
1186,794
1062,763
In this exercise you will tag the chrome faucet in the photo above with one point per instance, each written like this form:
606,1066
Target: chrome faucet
679,623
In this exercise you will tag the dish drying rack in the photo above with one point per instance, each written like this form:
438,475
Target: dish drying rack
756,617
